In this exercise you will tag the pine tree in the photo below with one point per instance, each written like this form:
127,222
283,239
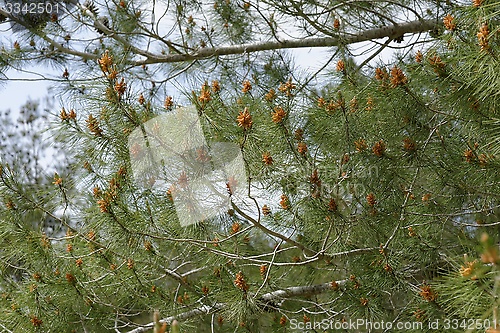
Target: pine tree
210,185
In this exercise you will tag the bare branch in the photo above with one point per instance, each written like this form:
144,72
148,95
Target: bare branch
274,296
391,31
300,291
202,310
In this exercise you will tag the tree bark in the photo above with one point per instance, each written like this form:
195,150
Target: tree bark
391,31
269,297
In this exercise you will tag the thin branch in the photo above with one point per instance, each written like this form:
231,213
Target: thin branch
373,55
272,232
300,291
274,296
391,31
478,225
202,310
410,189
315,255
55,44
5,328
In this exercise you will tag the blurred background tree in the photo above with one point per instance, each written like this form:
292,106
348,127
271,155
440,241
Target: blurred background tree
366,180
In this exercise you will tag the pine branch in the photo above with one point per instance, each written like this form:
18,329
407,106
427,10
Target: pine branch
202,310
314,255
56,45
273,297
299,291
391,31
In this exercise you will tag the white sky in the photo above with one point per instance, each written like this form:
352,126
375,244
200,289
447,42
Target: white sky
16,92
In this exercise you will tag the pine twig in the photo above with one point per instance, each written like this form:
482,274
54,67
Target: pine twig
391,31
273,296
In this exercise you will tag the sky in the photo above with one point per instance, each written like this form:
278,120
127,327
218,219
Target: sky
13,94
17,91
20,88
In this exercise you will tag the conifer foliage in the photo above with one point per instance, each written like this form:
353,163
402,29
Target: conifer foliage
370,191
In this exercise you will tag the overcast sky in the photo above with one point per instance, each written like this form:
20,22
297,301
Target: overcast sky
16,92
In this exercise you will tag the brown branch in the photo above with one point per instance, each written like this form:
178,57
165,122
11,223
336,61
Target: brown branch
274,296
300,291
391,31
56,45
315,255
272,232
